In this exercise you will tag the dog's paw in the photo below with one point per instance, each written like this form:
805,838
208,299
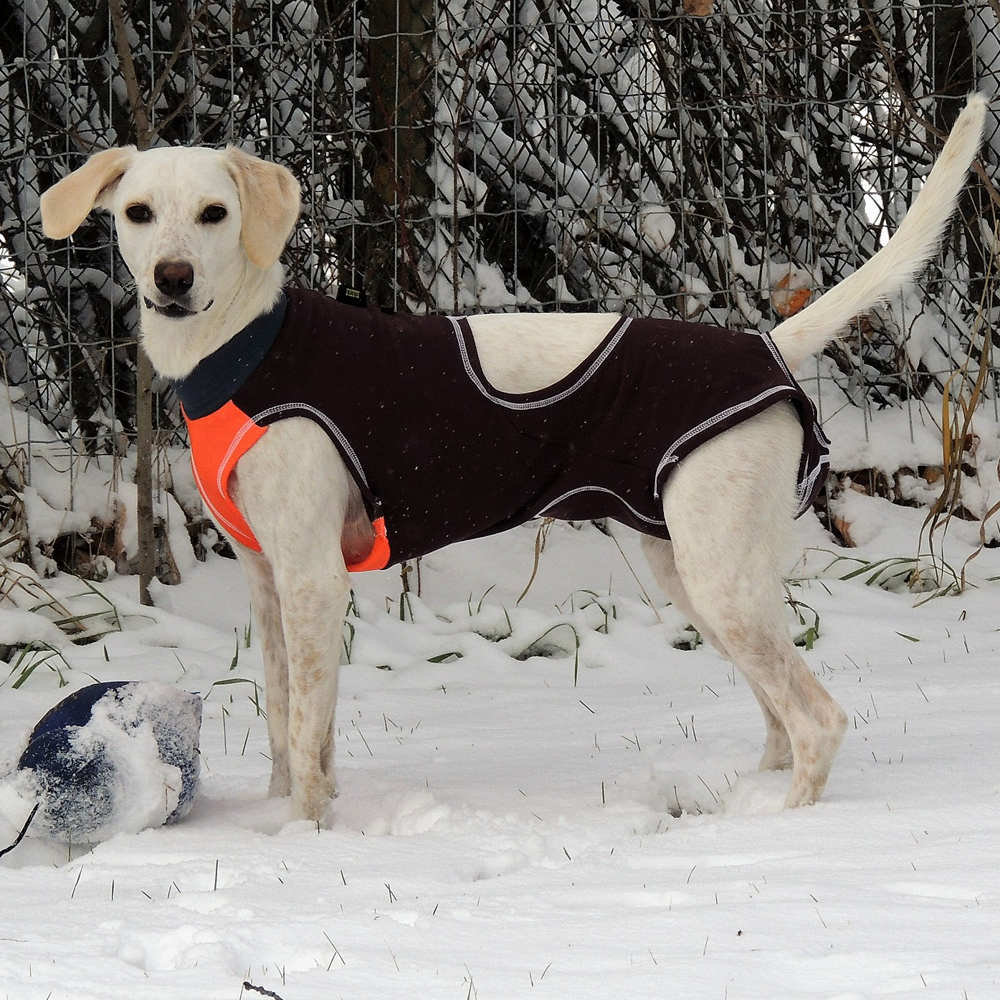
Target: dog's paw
312,798
280,786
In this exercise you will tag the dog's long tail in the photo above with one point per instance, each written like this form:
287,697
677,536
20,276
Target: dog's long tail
910,247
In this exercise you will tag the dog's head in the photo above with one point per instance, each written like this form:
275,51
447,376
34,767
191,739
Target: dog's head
191,222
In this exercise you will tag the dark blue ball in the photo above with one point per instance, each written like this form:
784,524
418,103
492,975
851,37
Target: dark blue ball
77,759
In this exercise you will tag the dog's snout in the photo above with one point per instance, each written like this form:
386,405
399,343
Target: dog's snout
173,278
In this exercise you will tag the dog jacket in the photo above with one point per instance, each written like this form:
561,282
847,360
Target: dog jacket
439,455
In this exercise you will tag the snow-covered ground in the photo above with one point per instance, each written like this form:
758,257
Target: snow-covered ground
505,825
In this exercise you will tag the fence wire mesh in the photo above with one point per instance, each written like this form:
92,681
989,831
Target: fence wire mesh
719,161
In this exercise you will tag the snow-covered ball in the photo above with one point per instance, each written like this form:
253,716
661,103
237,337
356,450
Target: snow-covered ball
111,758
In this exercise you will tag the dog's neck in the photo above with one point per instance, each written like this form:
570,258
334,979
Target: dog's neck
176,346
217,378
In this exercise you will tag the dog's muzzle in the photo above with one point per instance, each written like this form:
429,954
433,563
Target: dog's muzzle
174,280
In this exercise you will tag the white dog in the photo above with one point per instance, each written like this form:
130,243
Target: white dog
201,231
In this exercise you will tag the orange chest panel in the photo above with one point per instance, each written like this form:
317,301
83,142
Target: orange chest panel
218,441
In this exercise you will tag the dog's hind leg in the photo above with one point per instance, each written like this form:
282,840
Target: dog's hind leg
729,507
659,554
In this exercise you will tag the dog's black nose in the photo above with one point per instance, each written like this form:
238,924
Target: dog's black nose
173,278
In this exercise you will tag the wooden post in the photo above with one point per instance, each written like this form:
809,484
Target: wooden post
144,369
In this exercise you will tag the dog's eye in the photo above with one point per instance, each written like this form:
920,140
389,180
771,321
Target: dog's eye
139,213
213,214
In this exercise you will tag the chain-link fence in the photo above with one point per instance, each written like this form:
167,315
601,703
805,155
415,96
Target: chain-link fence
715,162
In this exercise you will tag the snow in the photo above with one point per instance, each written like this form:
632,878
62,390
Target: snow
658,226
503,832
17,627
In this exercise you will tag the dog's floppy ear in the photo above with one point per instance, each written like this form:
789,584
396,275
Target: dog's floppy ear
269,201
66,204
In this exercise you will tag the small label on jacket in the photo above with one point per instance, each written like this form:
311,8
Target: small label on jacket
352,296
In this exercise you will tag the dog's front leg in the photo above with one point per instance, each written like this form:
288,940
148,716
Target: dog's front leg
295,492
267,615
313,603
